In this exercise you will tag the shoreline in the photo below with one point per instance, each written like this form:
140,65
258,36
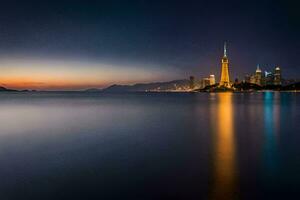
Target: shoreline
127,92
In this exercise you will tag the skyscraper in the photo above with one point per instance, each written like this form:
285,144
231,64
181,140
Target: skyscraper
258,76
225,81
269,78
212,79
277,76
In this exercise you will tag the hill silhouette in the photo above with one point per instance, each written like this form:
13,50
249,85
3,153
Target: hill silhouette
3,89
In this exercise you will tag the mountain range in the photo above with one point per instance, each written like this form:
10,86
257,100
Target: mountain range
3,89
155,87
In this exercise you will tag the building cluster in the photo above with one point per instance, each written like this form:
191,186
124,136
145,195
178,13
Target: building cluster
266,78
259,78
210,81
202,83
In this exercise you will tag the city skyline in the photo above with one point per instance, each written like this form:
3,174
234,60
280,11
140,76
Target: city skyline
59,45
74,82
149,99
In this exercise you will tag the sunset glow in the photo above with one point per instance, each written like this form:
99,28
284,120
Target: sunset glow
69,75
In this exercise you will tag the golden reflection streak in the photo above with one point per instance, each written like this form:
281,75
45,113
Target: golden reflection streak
224,178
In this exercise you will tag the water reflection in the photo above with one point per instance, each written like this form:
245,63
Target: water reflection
271,130
224,156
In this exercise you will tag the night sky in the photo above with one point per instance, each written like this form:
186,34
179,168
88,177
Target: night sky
81,44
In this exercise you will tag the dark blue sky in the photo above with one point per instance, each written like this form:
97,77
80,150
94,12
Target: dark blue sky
180,37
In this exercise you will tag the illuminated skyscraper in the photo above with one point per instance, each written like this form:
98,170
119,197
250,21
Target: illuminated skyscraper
258,76
277,76
225,81
212,79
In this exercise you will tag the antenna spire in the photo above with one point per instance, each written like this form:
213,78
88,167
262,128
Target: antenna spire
225,50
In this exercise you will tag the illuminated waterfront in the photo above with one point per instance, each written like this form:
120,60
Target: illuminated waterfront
149,146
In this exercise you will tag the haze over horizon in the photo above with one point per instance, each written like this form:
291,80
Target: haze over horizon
72,45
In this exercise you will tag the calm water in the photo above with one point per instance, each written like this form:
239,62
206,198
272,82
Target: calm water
149,146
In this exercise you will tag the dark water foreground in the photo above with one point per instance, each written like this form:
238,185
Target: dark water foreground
149,146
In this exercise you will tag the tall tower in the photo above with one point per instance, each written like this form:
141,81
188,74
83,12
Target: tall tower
225,81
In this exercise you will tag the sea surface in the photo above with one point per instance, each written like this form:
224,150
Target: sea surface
72,145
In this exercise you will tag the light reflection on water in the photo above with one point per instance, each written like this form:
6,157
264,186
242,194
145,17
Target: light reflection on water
224,161
272,131
149,146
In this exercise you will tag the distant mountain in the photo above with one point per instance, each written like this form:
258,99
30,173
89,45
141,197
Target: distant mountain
176,85
3,89
93,90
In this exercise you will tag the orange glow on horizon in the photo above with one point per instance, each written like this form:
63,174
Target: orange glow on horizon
60,75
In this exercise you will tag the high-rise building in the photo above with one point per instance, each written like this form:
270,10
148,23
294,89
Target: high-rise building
212,79
225,81
258,76
277,76
269,78
253,79
205,82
